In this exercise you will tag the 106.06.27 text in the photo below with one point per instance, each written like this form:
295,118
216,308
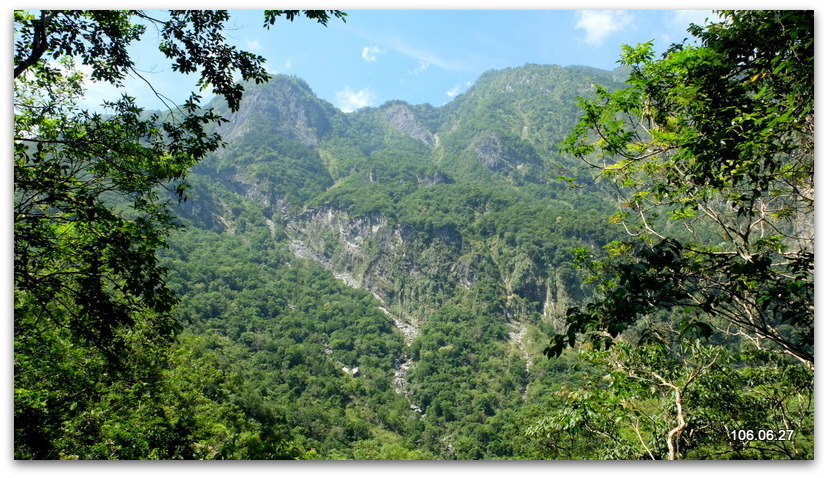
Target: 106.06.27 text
761,435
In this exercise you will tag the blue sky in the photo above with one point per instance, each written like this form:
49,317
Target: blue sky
430,56
422,56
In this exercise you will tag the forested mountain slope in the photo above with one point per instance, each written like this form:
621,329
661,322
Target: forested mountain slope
429,248
382,284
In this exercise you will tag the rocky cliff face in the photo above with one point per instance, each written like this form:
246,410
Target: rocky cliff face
492,153
411,274
359,251
401,118
406,272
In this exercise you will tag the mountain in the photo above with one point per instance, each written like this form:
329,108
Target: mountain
384,281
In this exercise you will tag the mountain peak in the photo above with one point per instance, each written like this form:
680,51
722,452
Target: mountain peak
286,106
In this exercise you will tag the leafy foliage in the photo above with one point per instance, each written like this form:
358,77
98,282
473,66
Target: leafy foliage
93,316
684,399
704,317
717,138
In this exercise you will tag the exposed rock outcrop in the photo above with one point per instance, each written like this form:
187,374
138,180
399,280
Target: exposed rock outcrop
403,120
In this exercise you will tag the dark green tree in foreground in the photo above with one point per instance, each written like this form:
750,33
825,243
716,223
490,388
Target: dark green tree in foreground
710,149
93,317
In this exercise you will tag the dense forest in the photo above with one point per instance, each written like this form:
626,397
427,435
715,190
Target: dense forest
563,263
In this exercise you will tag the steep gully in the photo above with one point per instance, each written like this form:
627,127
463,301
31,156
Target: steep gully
363,252
352,234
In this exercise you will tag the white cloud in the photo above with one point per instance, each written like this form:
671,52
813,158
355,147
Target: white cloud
287,65
423,66
370,53
349,100
598,24
420,53
271,70
253,45
458,89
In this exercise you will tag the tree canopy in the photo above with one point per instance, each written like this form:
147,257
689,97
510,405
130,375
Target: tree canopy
704,316
710,151
90,206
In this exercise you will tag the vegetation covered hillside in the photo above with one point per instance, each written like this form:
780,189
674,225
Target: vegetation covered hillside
447,225
555,265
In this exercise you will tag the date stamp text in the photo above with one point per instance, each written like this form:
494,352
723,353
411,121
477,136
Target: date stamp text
761,435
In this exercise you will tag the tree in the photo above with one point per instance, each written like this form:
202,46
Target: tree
710,151
663,399
90,206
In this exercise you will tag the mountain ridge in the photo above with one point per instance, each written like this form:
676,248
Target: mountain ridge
446,218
